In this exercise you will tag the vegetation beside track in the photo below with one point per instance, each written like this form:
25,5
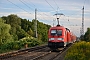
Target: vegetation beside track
17,33
79,51
16,45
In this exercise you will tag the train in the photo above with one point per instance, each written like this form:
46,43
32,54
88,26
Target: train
59,37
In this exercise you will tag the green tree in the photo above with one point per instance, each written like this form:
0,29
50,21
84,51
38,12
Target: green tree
25,24
87,35
21,33
30,32
4,32
42,31
15,23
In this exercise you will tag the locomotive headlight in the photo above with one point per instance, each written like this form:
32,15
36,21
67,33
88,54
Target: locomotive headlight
60,39
51,38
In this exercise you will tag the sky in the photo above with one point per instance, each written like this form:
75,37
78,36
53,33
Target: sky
72,10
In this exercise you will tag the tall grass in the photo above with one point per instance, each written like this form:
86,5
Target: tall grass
79,51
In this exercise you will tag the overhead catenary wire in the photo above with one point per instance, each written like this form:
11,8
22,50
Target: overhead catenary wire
55,3
18,7
32,3
50,5
39,9
60,10
30,8
25,4
57,6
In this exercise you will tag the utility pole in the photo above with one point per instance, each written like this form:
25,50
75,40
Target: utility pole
83,20
35,23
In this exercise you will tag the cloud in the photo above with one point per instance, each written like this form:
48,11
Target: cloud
72,9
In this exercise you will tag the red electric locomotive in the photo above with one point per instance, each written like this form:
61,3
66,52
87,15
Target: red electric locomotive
59,36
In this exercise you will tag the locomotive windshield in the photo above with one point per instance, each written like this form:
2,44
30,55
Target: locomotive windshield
56,32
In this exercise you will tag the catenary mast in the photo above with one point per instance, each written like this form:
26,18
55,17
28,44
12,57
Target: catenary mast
35,23
82,21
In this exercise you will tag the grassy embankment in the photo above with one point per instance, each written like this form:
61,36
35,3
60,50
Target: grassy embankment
79,51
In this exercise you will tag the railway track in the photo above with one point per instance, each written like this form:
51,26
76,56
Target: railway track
20,52
48,56
36,53
53,55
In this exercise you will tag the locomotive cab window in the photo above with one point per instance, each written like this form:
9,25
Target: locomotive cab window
59,32
53,32
56,32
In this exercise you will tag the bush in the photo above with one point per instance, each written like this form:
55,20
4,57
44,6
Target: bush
11,46
15,45
79,51
30,42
